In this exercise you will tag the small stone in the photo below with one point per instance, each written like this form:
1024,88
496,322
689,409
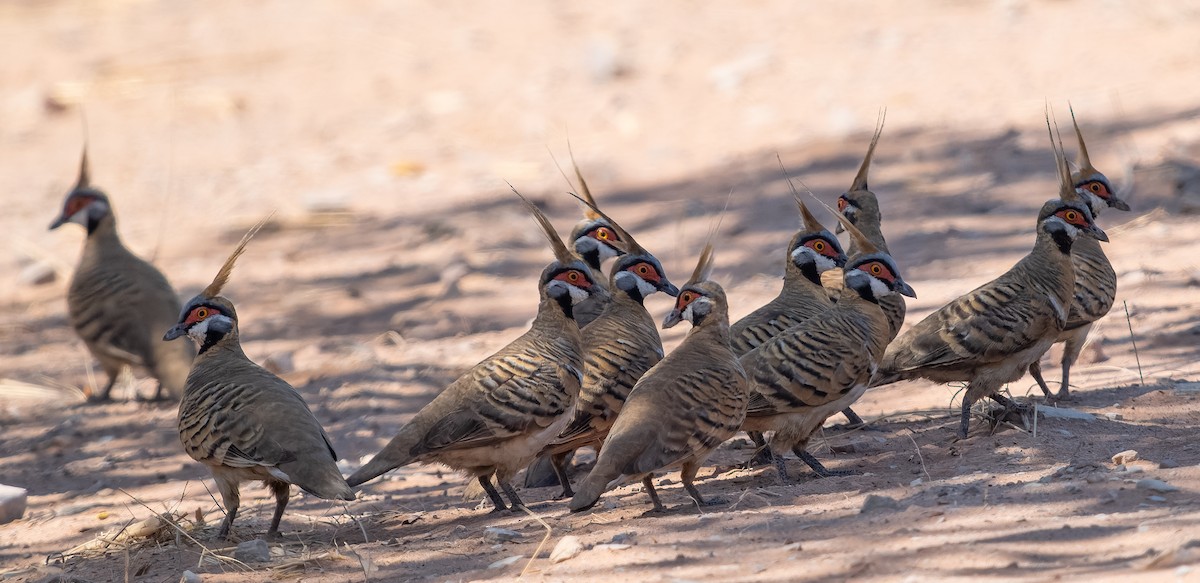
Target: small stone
1156,485
1156,498
793,547
1133,469
502,563
37,273
611,547
875,502
459,531
500,535
624,538
1167,464
916,482
1125,457
1114,416
253,551
190,577
567,548
13,501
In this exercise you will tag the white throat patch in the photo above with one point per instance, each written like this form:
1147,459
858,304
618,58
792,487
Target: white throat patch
689,313
645,288
557,287
199,330
823,263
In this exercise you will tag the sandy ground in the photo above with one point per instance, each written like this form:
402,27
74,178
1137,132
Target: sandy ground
382,132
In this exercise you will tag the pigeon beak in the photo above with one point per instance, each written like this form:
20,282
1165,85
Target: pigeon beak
839,230
60,221
1098,233
905,289
672,319
668,288
175,332
1118,204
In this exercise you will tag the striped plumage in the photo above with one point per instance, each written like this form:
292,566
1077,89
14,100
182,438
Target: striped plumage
811,371
683,407
119,304
243,422
1095,279
500,414
991,335
812,251
619,347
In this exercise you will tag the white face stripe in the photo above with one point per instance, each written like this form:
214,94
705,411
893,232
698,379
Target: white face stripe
824,263
644,287
80,216
1095,203
1072,230
199,330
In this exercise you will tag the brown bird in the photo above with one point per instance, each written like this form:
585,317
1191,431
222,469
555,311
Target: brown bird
861,207
619,346
595,241
812,251
991,335
1095,279
683,407
118,303
240,420
812,370
499,415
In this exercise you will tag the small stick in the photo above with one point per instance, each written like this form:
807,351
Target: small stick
1133,340
538,550
920,457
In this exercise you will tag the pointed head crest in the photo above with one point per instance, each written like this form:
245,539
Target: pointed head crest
860,179
704,265
84,179
811,223
1066,189
214,289
561,252
1084,163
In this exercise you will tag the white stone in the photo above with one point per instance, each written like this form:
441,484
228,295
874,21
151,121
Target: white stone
568,547
13,501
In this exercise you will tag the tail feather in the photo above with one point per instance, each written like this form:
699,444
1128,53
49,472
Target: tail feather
588,492
393,455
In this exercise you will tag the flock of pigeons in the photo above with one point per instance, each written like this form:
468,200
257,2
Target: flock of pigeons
591,371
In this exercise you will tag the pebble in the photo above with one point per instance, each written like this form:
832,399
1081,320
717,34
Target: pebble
1156,485
37,274
502,563
500,535
1156,498
568,547
1167,464
190,577
1125,457
13,501
253,551
622,538
875,502
611,547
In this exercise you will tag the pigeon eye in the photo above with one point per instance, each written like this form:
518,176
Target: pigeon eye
876,269
642,269
1095,187
604,234
819,246
1072,216
842,204
199,314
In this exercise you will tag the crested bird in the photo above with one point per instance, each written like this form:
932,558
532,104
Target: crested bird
810,371
991,335
1095,279
683,407
861,207
499,415
812,251
240,420
117,302
620,345
595,240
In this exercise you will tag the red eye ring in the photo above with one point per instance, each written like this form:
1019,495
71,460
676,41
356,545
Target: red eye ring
1071,216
